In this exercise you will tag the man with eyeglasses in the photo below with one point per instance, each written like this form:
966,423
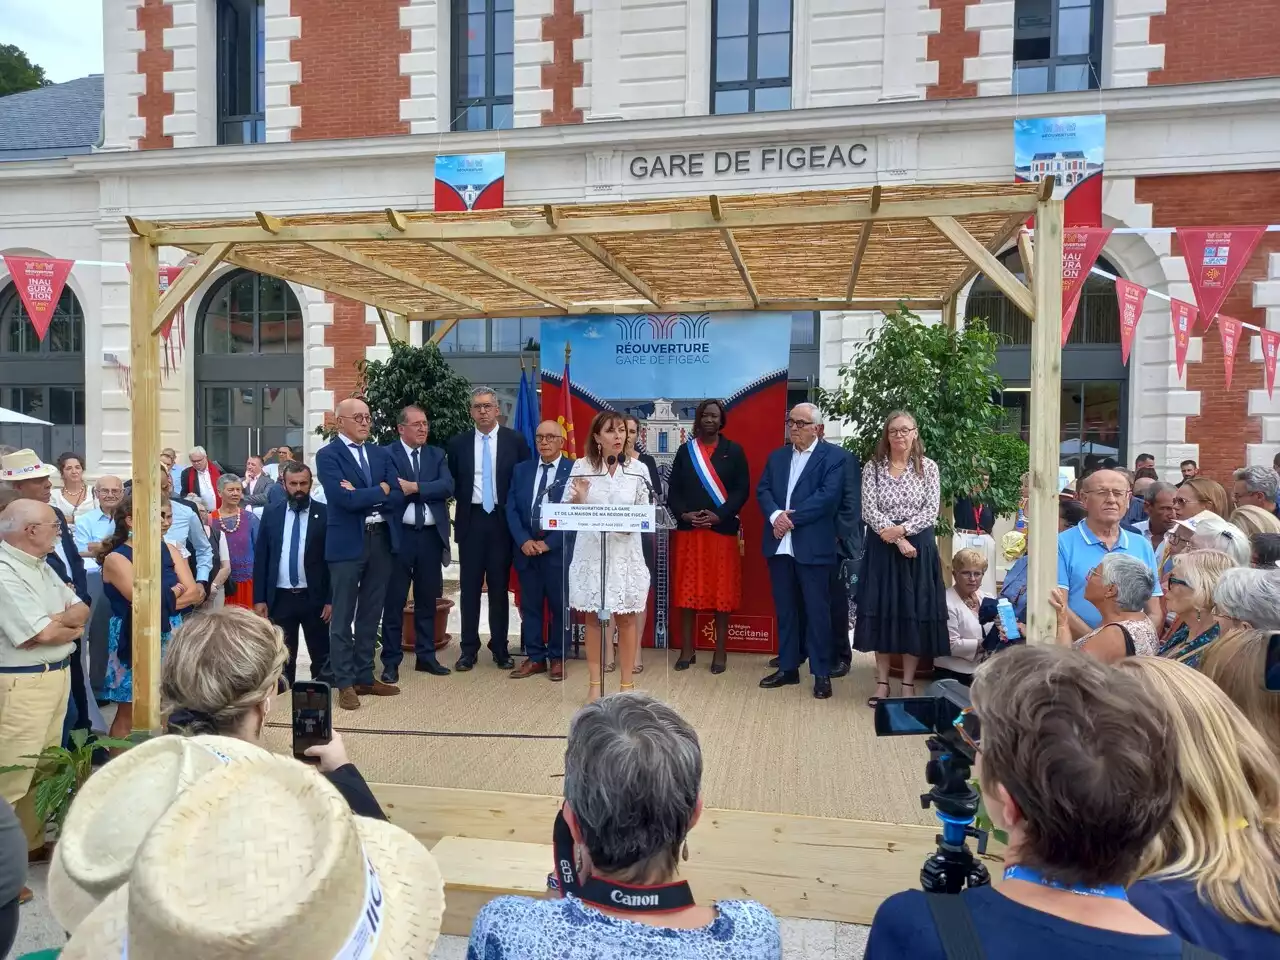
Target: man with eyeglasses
1105,495
358,478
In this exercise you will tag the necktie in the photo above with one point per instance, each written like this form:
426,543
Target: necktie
486,475
295,541
364,463
542,489
418,517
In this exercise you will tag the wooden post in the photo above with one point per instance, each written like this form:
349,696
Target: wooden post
1046,399
949,313
144,373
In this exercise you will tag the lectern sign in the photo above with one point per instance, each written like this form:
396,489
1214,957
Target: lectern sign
599,517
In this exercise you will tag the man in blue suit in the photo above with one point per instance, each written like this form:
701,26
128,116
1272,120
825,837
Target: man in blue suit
358,479
421,514
800,493
849,535
539,555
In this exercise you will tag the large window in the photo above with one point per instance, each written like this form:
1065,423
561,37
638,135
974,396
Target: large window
1057,45
483,64
1097,319
251,314
43,379
242,76
1091,420
497,335
750,55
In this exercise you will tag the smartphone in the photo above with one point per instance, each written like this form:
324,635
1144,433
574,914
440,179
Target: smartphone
312,717
1271,673
906,716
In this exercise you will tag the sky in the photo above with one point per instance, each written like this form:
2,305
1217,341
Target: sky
63,36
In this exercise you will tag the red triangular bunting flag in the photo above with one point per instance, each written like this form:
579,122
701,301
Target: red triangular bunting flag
1130,296
1270,344
1215,257
1080,249
1229,330
167,276
1184,321
39,281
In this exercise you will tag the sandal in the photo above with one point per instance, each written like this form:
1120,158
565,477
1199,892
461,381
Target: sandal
873,701
611,667
912,686
638,668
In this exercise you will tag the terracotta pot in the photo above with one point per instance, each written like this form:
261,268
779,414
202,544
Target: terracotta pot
443,606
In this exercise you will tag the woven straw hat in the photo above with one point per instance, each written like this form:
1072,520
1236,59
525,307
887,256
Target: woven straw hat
24,465
263,858
116,809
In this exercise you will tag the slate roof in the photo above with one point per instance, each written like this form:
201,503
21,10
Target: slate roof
53,121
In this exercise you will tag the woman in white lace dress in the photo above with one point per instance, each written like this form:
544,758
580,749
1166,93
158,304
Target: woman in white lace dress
599,478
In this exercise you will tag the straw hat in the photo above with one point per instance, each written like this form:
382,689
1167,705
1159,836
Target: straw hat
116,809
24,465
263,858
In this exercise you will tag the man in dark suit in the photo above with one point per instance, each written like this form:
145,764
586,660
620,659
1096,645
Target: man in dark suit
290,576
849,534
540,556
357,478
421,513
800,492
201,478
481,461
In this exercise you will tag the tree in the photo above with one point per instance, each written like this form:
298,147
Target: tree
17,73
947,380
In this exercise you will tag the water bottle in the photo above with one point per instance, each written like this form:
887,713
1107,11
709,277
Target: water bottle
1010,623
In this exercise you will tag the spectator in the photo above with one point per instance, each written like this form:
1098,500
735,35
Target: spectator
1137,503
1067,746
188,535
964,629
1120,588
95,525
1265,550
169,460
1014,586
1160,513
1199,494
1212,875
1190,599
632,792
1145,461
1237,664
1256,486
1145,473
1247,598
1189,469
74,497
285,870
1254,520
201,478
1214,533
257,485
239,529
221,555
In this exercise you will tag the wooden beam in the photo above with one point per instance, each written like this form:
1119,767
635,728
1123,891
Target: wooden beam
1046,397
386,325
319,283
462,255
190,278
619,269
397,220
717,214
395,273
986,261
139,228
698,306
1047,186
997,244
267,222
864,237
144,382
1027,253
743,272
438,335
550,214
949,313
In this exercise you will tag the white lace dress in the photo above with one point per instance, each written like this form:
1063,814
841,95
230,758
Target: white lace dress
626,575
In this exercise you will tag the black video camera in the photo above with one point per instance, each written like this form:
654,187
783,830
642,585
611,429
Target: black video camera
948,715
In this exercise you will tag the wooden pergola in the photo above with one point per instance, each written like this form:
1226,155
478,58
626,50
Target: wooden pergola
863,249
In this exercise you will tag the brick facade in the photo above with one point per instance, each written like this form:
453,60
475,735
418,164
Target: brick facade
563,73
1206,40
349,336
949,47
154,17
1223,429
349,52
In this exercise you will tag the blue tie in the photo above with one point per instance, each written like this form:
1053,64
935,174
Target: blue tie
419,521
294,542
364,463
486,475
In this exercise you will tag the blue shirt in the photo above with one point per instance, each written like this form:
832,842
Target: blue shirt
186,526
1080,550
904,928
1175,905
92,527
1014,588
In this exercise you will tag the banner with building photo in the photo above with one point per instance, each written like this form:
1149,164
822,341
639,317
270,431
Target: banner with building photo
658,367
1070,150
470,181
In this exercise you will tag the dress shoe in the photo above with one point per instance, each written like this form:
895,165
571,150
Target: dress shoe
391,675
433,667
686,664
718,664
780,678
773,662
377,689
25,895
504,661
347,699
841,669
528,669
822,688
464,664
556,670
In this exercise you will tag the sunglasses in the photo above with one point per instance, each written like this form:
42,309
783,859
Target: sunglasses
1178,582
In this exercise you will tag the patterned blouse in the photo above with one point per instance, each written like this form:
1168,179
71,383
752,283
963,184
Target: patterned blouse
1181,646
521,928
911,499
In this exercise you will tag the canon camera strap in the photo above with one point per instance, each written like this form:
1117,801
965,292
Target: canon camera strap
663,898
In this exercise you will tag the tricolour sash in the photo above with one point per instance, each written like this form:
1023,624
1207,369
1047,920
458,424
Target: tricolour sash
710,480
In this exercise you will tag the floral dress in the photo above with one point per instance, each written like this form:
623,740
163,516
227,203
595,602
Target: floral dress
117,685
626,573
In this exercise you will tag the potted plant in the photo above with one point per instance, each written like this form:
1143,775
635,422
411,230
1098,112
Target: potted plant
60,772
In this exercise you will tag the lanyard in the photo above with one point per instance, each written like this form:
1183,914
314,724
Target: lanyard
1112,891
662,898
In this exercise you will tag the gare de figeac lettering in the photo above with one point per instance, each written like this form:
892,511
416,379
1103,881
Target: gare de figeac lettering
759,160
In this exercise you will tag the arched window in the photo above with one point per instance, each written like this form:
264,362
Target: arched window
1097,319
250,313
43,378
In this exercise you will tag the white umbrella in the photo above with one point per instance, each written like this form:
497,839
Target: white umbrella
13,416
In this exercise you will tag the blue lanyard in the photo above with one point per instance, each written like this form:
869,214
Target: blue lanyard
1111,891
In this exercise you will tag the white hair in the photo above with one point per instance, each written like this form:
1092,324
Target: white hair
1214,533
1261,480
197,452
1134,580
1250,596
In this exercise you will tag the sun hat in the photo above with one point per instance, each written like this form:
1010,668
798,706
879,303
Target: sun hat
24,465
117,807
264,858
1191,523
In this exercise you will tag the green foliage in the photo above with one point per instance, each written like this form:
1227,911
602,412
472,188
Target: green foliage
418,375
947,380
983,820
17,73
61,772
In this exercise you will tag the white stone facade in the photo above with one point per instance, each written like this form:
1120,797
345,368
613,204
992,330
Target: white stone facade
283,73
426,65
992,68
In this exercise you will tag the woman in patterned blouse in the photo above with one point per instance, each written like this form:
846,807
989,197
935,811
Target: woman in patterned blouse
902,605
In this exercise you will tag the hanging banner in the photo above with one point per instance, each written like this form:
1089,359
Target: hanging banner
167,276
1080,249
1069,150
1270,343
39,281
470,181
1215,258
1229,330
1184,321
1130,296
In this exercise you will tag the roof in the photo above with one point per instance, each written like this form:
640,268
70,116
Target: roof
54,121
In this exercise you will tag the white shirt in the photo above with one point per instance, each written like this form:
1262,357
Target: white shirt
30,594
799,460
272,470
204,480
410,510
361,457
537,479
477,492
292,516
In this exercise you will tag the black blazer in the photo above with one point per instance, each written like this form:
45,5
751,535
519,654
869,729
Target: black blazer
686,494
512,449
849,526
270,542
75,577
963,512
435,487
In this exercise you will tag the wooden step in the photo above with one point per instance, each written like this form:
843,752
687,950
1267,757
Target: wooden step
476,871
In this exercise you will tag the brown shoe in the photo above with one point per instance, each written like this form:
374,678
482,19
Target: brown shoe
557,671
347,699
377,689
25,896
527,669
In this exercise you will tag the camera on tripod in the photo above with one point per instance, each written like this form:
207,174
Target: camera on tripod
948,720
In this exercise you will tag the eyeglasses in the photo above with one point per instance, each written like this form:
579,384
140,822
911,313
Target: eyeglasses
483,406
976,574
546,437
359,418
1178,582
1183,501
1174,539
1108,494
900,431
801,424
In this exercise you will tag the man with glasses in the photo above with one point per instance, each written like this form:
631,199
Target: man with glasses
358,478
1105,495
481,461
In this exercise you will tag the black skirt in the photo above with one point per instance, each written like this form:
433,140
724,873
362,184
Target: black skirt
902,605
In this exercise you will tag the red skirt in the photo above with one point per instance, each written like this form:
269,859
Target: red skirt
708,571
243,596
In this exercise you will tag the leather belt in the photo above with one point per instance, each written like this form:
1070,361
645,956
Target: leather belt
38,667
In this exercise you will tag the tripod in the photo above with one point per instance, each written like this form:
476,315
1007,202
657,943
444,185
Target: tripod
952,866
